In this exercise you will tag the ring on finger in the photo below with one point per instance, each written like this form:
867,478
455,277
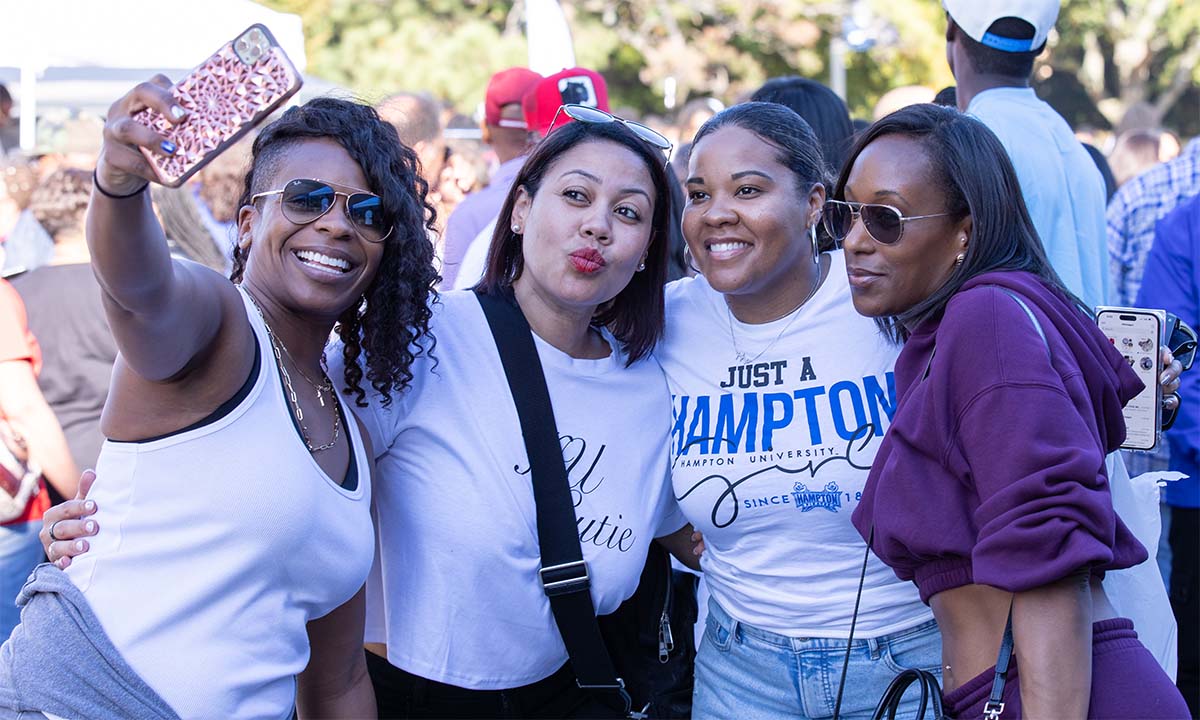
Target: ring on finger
54,537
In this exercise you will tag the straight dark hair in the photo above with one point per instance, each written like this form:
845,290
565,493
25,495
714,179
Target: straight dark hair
972,170
820,107
635,316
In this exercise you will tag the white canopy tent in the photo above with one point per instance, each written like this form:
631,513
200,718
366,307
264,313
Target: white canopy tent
84,54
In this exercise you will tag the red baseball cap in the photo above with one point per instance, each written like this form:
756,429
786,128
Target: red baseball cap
505,88
573,85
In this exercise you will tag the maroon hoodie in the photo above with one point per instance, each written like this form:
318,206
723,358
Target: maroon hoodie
993,469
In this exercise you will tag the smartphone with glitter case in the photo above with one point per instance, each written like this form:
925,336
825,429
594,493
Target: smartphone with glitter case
225,96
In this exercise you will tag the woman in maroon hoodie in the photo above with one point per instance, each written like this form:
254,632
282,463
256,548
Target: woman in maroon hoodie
989,490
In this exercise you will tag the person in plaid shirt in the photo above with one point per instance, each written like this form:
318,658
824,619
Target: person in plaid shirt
1133,212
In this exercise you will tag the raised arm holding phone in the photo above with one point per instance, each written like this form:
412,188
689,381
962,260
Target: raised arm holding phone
236,481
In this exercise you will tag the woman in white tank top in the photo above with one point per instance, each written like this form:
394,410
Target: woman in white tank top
236,484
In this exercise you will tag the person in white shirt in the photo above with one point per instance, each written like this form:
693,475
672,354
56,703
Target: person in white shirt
782,393
458,610
991,47
235,485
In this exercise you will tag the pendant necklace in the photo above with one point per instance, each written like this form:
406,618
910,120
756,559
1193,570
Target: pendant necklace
327,386
743,357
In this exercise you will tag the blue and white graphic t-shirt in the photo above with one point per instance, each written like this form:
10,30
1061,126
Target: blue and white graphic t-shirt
769,457
456,593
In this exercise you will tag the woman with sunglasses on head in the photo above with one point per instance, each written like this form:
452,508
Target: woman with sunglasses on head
459,612
235,483
989,491
781,395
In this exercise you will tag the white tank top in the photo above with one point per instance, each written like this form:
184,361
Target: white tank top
218,545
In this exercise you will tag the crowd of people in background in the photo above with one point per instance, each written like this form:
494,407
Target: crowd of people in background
760,291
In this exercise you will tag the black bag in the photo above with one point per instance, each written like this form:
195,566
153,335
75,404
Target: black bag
651,640
631,646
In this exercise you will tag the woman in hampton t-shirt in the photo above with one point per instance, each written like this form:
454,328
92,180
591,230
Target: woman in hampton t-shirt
782,393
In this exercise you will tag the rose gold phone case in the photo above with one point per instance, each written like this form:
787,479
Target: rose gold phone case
225,96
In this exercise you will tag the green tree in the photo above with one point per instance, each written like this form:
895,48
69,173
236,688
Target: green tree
1107,57
1127,63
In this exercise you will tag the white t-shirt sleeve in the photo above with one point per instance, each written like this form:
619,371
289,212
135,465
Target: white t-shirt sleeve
382,423
474,262
670,515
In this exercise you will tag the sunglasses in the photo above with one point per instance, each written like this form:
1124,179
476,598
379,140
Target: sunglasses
588,114
884,223
304,200
1181,338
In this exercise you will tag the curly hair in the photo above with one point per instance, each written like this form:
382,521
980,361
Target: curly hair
60,202
390,323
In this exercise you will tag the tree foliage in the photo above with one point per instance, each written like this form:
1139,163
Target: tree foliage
1126,63
1107,56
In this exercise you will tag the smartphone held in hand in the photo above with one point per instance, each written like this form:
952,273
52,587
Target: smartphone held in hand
225,96
1138,333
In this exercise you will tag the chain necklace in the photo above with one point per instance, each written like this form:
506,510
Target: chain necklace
291,391
744,358
325,387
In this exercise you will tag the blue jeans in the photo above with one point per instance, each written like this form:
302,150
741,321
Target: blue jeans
20,551
744,672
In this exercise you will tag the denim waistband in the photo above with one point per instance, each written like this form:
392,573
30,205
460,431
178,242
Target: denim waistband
739,629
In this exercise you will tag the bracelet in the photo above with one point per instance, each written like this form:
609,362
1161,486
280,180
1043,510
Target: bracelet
107,194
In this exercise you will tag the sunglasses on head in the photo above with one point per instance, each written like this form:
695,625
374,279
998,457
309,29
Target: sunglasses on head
588,114
884,223
304,200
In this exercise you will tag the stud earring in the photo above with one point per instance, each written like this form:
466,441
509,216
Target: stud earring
641,266
516,229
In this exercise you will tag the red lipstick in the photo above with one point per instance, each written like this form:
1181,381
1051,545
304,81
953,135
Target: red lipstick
587,260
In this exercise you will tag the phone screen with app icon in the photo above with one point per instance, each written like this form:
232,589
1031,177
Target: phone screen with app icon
1136,334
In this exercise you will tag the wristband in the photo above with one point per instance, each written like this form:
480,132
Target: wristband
114,196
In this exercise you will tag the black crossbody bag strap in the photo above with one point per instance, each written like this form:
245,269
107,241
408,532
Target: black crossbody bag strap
564,574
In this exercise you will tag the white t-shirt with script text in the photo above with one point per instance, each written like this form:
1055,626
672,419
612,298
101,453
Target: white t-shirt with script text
770,454
457,596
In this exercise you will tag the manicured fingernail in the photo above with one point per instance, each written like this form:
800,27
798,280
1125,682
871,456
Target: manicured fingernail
80,545
177,112
90,506
89,526
168,147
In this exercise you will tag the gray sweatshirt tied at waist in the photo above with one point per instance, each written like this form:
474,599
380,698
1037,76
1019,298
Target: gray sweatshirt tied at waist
60,661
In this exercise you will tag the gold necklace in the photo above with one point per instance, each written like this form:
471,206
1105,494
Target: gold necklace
326,386
291,391
744,358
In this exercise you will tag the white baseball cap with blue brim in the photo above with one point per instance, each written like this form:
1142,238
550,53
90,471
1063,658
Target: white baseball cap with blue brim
975,17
